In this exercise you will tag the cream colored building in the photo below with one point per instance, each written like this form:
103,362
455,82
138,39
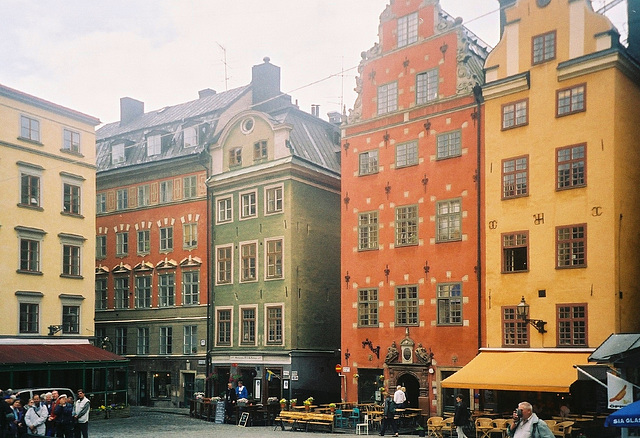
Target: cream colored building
47,221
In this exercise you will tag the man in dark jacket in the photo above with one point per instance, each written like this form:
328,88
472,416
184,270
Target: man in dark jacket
230,398
460,416
389,419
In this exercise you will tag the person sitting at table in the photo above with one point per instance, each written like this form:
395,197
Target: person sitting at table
526,424
460,416
389,415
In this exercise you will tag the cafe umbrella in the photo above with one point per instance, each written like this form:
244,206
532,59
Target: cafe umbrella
629,416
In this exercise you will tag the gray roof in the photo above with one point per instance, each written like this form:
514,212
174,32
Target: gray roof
312,138
168,121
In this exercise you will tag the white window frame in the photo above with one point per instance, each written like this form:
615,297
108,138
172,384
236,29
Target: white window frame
268,306
387,97
241,245
273,195
229,309
190,229
166,241
154,145
192,330
231,268
147,248
144,197
122,199
122,247
190,187
451,144
165,343
191,284
368,163
168,299
117,153
426,81
407,29
245,204
165,189
409,151
101,203
227,210
190,136
268,277
241,325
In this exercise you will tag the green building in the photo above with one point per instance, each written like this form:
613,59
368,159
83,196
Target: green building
275,191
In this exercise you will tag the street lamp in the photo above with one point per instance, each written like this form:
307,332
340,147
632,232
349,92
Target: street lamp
522,311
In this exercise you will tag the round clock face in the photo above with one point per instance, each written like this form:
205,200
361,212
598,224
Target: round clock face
543,3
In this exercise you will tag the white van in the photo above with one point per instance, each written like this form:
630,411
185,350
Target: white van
25,394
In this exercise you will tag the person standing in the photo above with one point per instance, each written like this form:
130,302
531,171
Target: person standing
36,417
81,415
16,427
241,391
399,397
389,416
64,418
460,416
230,398
5,414
527,424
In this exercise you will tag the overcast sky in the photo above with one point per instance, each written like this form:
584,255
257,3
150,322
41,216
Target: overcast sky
87,54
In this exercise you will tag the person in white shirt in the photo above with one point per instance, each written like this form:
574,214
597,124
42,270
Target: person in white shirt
36,416
81,415
399,397
527,424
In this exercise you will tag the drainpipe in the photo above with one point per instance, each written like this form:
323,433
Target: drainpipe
477,92
205,161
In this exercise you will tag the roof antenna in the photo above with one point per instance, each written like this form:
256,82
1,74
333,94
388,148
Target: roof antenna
224,61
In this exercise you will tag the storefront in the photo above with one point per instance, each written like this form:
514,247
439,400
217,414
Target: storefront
102,374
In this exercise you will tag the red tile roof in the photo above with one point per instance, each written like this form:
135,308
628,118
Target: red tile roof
55,353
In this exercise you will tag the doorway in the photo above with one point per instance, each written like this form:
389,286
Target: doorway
413,389
143,398
189,380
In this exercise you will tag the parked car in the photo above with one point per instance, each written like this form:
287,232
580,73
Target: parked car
25,394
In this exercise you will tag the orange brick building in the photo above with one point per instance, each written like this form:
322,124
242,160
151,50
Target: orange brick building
410,258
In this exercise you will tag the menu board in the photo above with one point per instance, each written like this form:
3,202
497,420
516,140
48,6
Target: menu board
219,412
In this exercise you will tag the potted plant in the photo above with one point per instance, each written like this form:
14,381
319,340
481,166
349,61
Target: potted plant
332,407
283,403
307,404
293,402
421,431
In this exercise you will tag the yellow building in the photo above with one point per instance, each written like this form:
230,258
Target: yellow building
560,174
47,233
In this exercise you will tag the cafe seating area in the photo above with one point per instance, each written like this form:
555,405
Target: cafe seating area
366,419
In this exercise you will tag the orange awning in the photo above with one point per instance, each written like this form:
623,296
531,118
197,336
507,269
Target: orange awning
519,371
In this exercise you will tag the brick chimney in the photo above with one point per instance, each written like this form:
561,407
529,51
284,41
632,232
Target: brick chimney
503,16
130,109
633,38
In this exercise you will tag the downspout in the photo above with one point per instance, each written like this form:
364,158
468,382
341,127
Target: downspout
477,92
205,161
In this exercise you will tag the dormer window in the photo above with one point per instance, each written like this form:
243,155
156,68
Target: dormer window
154,145
117,153
190,137
235,157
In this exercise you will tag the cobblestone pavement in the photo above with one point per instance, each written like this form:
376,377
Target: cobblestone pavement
165,423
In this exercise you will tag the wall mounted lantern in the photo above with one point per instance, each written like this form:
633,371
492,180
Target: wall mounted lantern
522,312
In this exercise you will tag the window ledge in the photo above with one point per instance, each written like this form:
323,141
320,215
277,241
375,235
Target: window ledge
31,207
74,277
76,215
21,271
28,140
70,152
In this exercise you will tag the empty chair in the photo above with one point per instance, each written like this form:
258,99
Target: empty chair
484,427
354,417
563,429
340,421
434,427
363,426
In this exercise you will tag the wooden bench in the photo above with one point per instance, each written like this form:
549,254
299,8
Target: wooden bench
296,419
319,420
303,420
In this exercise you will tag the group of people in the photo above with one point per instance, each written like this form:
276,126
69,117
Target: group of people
231,397
50,414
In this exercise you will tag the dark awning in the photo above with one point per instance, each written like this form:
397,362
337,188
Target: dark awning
55,353
617,347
